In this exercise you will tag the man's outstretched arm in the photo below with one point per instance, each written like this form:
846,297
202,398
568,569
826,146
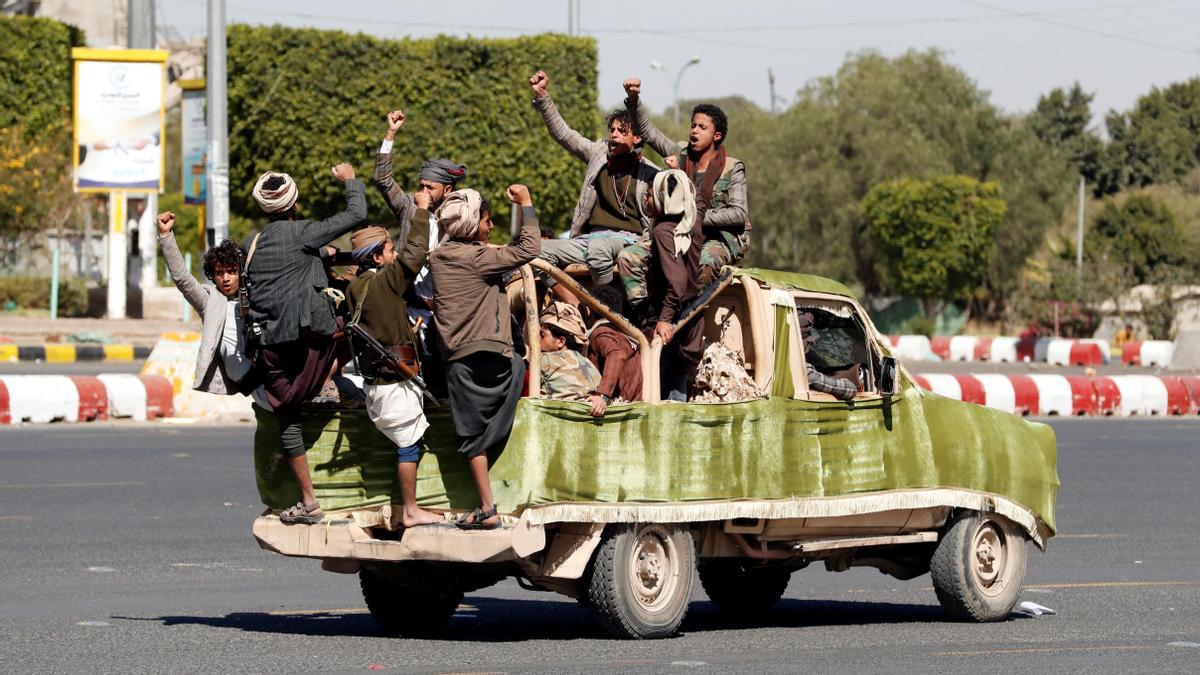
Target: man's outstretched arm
320,232
562,133
642,126
397,199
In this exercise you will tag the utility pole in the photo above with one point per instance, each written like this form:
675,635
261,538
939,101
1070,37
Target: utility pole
655,65
1079,235
771,80
218,128
140,17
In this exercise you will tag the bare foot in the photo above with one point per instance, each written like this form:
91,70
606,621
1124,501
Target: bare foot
417,516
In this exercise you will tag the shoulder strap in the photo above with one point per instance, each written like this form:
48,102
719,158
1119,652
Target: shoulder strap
253,245
363,300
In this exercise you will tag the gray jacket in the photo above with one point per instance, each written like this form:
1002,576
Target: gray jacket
287,277
400,202
211,306
729,210
595,154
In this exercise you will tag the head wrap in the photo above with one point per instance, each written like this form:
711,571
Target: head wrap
458,216
443,171
566,318
278,200
364,242
677,201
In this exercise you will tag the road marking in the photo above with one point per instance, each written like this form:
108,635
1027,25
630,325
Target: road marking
1046,650
1088,536
101,569
70,485
22,518
1114,584
1183,644
93,623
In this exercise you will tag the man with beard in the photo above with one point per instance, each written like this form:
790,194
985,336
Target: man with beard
609,214
720,182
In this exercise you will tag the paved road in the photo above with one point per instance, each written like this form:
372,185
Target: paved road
128,549
76,368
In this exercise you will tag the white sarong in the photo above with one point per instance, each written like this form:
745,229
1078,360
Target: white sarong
397,411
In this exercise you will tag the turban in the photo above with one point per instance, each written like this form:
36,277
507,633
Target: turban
443,171
458,216
676,200
278,200
364,242
566,318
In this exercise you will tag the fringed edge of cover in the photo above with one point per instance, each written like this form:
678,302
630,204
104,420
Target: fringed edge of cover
807,507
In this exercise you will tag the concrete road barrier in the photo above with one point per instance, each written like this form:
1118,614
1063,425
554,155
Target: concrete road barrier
40,399
1148,353
912,347
1049,394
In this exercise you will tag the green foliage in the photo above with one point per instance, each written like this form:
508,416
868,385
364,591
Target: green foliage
934,236
1156,142
1141,234
34,293
1060,121
187,231
35,82
301,100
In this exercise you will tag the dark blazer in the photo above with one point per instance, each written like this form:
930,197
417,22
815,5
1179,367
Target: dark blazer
286,274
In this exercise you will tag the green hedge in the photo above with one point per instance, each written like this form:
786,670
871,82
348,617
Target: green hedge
301,100
34,293
35,80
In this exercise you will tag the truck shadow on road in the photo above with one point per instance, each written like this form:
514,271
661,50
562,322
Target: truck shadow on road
510,620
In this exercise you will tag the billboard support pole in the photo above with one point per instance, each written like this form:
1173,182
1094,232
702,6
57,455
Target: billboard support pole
117,254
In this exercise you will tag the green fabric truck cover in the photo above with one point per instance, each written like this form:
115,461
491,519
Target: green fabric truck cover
774,457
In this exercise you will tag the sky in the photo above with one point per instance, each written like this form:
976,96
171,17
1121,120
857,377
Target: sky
1017,50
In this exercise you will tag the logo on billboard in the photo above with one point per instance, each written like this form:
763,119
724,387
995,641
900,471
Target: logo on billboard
119,77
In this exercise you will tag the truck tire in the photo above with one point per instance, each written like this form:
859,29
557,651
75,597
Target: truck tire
406,610
640,579
740,590
978,567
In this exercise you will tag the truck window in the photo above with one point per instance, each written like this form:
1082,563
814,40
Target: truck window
837,342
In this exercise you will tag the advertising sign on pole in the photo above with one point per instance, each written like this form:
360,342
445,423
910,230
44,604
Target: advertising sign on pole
119,119
194,152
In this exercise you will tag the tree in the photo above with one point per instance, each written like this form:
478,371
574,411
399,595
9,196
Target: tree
1061,120
934,236
1140,234
1156,142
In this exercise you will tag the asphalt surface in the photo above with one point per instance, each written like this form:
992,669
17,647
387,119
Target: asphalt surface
128,549
75,368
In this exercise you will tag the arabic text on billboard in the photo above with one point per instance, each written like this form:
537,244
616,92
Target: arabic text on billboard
118,125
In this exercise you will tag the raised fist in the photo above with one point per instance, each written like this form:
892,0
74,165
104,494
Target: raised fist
343,172
422,199
519,195
672,161
539,82
633,87
395,120
166,222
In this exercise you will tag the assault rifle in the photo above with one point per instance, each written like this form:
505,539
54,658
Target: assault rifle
389,358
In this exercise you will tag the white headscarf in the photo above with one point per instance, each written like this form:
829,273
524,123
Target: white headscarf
277,200
680,201
458,216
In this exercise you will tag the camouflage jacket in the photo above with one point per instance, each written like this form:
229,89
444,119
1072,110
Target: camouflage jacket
568,376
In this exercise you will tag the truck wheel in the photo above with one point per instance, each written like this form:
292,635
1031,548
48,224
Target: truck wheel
641,579
978,567
405,610
740,590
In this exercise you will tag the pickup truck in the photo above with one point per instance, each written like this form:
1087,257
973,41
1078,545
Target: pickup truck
624,511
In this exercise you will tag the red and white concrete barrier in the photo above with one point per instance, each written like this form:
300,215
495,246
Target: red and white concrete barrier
76,398
912,347
1148,353
962,347
1074,395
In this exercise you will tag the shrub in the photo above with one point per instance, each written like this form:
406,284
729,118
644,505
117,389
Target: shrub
34,293
301,100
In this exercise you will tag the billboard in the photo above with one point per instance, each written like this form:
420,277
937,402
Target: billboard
119,96
194,150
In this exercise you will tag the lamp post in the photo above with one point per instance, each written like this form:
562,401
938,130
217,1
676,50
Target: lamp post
655,65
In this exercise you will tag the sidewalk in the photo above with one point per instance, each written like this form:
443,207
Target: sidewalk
40,330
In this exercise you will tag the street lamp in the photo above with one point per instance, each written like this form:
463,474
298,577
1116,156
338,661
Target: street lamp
655,65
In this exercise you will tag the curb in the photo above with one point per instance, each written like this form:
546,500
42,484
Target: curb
1047,395
78,398
71,353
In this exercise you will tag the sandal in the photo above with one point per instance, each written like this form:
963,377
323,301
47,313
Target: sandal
474,520
302,514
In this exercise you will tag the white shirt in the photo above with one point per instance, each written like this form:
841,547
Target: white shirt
233,344
423,284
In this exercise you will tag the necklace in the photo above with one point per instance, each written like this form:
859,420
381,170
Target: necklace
612,176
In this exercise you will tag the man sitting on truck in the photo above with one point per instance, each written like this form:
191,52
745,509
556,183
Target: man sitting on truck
292,323
615,354
566,374
378,308
720,182
842,382
609,215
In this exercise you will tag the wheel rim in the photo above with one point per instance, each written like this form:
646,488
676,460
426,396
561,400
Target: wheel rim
990,558
654,568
